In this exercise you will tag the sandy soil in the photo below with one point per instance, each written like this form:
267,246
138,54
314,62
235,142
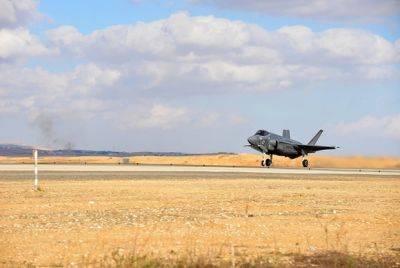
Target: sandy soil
80,218
316,161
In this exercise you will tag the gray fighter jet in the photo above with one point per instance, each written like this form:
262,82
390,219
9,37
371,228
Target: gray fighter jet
272,144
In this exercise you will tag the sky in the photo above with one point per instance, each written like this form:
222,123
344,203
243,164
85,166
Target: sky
200,76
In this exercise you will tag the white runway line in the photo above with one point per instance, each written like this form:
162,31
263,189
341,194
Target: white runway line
165,168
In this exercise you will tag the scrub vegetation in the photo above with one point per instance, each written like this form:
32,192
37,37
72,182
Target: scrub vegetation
199,219
251,160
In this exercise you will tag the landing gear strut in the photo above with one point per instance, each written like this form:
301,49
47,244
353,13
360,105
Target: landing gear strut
266,162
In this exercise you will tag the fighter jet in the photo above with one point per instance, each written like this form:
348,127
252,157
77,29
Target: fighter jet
272,144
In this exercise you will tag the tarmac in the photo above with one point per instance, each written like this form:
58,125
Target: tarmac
175,168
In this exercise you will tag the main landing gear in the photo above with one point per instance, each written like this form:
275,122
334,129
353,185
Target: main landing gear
266,162
305,163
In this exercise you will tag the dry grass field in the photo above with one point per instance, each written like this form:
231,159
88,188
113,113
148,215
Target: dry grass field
317,161
199,219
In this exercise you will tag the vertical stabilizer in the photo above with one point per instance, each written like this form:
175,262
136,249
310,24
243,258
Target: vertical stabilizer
286,133
314,140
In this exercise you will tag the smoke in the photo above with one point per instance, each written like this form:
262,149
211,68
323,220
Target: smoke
69,146
49,133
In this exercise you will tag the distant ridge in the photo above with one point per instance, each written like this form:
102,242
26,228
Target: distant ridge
22,150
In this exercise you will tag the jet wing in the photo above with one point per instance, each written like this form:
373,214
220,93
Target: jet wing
313,148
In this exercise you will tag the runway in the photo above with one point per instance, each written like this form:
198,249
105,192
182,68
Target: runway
218,169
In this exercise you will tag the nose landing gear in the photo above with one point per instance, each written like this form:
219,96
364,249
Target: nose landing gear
266,162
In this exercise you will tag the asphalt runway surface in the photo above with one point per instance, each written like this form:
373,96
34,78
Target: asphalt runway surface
215,169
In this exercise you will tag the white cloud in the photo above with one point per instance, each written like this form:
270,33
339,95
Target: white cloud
340,45
160,116
179,35
208,119
7,107
90,76
206,31
19,43
81,91
198,54
129,75
14,13
22,81
360,46
387,126
66,37
16,42
324,10
84,93
237,120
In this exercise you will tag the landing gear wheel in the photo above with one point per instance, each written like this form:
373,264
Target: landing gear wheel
305,163
268,162
262,163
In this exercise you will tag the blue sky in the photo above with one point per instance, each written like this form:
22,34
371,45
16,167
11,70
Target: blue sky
199,76
87,19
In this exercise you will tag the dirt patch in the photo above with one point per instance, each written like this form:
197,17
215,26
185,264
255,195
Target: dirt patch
213,219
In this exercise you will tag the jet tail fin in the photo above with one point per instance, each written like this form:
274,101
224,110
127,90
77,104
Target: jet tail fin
286,133
314,140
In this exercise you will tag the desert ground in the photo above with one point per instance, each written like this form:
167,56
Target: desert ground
250,160
198,219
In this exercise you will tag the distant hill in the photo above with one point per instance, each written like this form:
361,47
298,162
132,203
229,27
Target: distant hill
21,150
17,150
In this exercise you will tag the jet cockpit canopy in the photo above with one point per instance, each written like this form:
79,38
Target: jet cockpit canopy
262,132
